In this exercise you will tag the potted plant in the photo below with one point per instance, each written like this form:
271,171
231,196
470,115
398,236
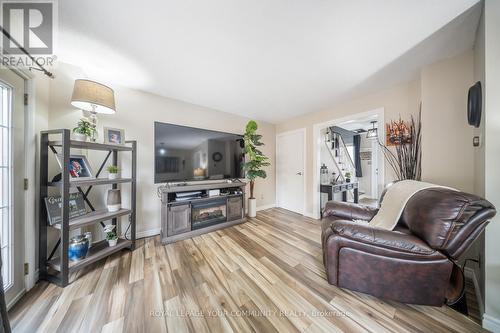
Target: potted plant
347,177
83,130
255,160
111,236
113,172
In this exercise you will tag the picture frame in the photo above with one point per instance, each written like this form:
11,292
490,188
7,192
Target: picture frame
53,205
79,167
114,136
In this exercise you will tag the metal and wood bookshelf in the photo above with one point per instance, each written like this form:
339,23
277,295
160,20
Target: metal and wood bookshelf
56,269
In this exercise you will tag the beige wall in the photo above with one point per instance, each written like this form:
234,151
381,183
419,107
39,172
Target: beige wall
447,152
136,112
492,161
400,100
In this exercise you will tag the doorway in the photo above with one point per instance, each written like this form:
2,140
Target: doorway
366,166
290,170
12,175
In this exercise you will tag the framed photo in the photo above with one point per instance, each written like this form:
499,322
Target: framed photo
54,204
114,136
79,167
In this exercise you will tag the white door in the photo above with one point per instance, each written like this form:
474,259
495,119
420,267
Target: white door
12,169
290,170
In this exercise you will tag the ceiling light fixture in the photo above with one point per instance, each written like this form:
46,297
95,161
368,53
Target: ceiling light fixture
372,132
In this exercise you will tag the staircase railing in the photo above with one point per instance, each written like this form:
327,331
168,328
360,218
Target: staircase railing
340,155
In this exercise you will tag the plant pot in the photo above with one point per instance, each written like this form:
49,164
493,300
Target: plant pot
113,175
114,200
80,137
112,242
252,207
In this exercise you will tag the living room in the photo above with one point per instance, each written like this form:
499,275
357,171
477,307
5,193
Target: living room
175,166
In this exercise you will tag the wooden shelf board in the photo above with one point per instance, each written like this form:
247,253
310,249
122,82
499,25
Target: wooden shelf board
98,251
91,145
93,217
92,182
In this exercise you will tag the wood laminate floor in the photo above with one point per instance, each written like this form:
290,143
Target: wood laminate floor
265,275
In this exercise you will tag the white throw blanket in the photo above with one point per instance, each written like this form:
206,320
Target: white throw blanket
395,200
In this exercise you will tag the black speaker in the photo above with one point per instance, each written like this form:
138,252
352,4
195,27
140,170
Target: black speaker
474,104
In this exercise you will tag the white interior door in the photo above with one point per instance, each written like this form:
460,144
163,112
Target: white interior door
290,170
12,169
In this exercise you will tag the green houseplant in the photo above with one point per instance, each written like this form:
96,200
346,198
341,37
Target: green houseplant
255,161
83,130
111,236
113,171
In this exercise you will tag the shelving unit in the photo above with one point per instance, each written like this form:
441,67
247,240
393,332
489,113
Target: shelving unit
57,269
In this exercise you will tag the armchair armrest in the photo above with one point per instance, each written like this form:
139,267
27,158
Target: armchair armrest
348,210
380,238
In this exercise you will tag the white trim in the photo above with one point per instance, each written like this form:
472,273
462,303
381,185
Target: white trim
148,233
16,298
263,207
317,148
311,215
491,323
302,130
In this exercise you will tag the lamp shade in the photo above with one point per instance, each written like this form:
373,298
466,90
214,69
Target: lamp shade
92,96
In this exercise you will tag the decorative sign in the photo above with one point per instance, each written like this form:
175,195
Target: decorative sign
365,155
54,205
397,132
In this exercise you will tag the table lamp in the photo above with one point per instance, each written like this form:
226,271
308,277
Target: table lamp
93,97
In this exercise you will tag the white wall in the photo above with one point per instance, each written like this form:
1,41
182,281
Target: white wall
447,152
492,160
136,113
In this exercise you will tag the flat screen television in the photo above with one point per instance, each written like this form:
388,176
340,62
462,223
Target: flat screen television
187,154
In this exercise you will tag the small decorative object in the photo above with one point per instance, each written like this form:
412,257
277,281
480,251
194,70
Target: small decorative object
79,167
397,132
347,177
83,130
255,162
217,157
114,201
54,204
78,248
111,236
88,235
113,172
475,104
114,136
95,98
406,162
324,176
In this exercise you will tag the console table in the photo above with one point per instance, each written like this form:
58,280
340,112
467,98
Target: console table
343,188
185,217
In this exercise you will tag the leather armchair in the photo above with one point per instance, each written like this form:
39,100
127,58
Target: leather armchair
414,263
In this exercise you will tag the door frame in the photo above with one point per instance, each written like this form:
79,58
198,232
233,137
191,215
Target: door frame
30,205
304,167
317,142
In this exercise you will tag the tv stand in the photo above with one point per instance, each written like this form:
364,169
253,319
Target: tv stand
188,209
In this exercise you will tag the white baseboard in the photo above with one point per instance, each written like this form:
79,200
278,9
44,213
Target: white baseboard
265,207
491,323
311,215
148,233
15,299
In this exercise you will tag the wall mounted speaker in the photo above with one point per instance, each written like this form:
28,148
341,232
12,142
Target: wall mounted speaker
474,104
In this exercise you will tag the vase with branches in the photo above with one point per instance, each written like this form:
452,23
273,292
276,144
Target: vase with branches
406,159
255,161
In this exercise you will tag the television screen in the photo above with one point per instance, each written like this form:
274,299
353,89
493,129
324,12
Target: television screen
185,154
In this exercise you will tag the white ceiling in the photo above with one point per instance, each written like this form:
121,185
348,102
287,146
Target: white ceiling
265,59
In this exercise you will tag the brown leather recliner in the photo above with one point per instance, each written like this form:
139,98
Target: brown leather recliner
412,263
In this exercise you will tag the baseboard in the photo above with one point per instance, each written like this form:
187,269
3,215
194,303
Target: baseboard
265,207
311,215
491,323
148,233
15,299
